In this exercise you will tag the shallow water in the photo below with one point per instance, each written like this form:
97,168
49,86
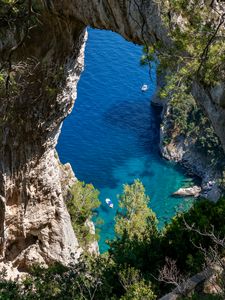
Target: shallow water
112,135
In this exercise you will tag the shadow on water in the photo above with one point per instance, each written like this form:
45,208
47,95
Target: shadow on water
139,118
132,130
125,130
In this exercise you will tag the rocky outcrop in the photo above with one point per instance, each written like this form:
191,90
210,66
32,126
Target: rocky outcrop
189,286
189,191
41,232
206,282
93,247
137,21
213,102
42,56
182,149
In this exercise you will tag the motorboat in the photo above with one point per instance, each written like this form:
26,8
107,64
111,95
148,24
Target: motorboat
109,202
144,88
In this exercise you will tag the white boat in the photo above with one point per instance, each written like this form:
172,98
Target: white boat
144,88
109,202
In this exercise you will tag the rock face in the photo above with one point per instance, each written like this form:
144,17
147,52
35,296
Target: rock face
194,284
34,223
182,149
46,64
213,102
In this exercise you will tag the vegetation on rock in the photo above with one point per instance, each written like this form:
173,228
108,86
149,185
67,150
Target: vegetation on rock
83,201
131,268
132,265
197,30
187,120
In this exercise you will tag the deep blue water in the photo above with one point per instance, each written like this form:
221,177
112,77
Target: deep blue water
112,135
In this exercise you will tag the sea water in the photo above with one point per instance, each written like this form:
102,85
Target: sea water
112,134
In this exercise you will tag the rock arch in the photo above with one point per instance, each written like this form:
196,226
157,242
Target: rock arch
34,223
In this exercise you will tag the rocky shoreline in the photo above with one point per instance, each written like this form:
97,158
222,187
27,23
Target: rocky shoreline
181,150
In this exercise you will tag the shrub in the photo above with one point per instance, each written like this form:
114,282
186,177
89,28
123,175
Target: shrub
84,200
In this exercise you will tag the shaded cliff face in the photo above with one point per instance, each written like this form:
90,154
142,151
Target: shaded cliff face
42,65
213,102
35,225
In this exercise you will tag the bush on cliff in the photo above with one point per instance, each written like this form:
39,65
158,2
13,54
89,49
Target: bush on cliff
81,205
180,243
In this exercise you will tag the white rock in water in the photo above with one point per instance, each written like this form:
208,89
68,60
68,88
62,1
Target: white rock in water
190,191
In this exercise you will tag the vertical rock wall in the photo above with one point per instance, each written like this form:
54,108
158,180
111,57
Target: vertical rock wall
34,223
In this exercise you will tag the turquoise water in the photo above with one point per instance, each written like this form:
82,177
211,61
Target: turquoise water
112,135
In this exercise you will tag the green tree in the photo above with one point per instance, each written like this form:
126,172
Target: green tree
134,217
181,244
135,286
136,234
140,290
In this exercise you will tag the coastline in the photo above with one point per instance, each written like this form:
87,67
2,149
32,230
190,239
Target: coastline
181,149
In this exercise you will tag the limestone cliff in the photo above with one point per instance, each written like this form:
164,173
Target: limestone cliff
185,148
41,55
35,225
213,101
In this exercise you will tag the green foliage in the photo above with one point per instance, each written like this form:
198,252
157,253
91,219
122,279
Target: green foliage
133,218
182,107
2,80
17,19
76,282
200,59
222,180
84,199
9,290
135,229
140,290
187,119
203,55
135,286
12,11
129,269
12,8
180,244
91,278
2,83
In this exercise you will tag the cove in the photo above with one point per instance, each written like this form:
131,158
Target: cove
112,134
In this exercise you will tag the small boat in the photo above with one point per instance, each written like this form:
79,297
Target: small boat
144,88
109,202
